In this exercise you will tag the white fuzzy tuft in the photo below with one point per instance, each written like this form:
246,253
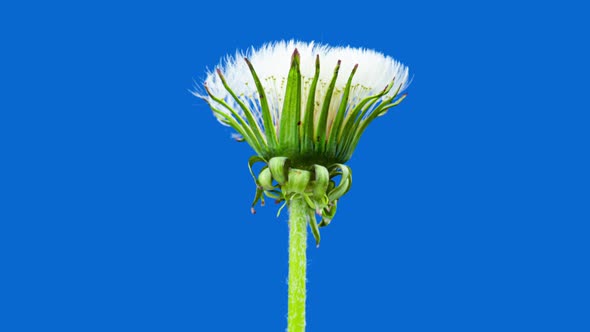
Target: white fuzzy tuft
272,62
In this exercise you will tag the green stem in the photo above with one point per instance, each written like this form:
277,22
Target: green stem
297,264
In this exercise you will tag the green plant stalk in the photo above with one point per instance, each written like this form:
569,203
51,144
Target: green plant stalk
297,263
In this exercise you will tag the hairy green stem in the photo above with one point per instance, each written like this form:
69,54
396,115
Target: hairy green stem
297,264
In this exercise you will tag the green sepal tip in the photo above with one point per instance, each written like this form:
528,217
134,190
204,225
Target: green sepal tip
291,114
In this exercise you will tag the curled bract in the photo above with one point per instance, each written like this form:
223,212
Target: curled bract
304,118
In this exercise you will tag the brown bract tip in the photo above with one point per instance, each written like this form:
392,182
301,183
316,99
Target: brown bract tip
295,56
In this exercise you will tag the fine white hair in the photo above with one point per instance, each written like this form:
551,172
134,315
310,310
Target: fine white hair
272,62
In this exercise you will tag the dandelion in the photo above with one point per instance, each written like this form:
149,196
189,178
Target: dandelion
303,107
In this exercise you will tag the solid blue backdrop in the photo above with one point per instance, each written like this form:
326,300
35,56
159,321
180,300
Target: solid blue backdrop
125,205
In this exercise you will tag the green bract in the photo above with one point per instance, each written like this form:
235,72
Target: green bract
304,156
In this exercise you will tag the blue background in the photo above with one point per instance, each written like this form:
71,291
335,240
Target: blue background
125,205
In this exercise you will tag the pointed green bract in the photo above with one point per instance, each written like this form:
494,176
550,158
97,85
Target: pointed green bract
360,109
353,121
365,122
253,160
291,114
258,196
385,109
229,120
252,123
335,128
269,128
320,133
238,123
314,227
308,121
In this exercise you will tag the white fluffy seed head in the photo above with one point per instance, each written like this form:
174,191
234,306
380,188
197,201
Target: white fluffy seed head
273,60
